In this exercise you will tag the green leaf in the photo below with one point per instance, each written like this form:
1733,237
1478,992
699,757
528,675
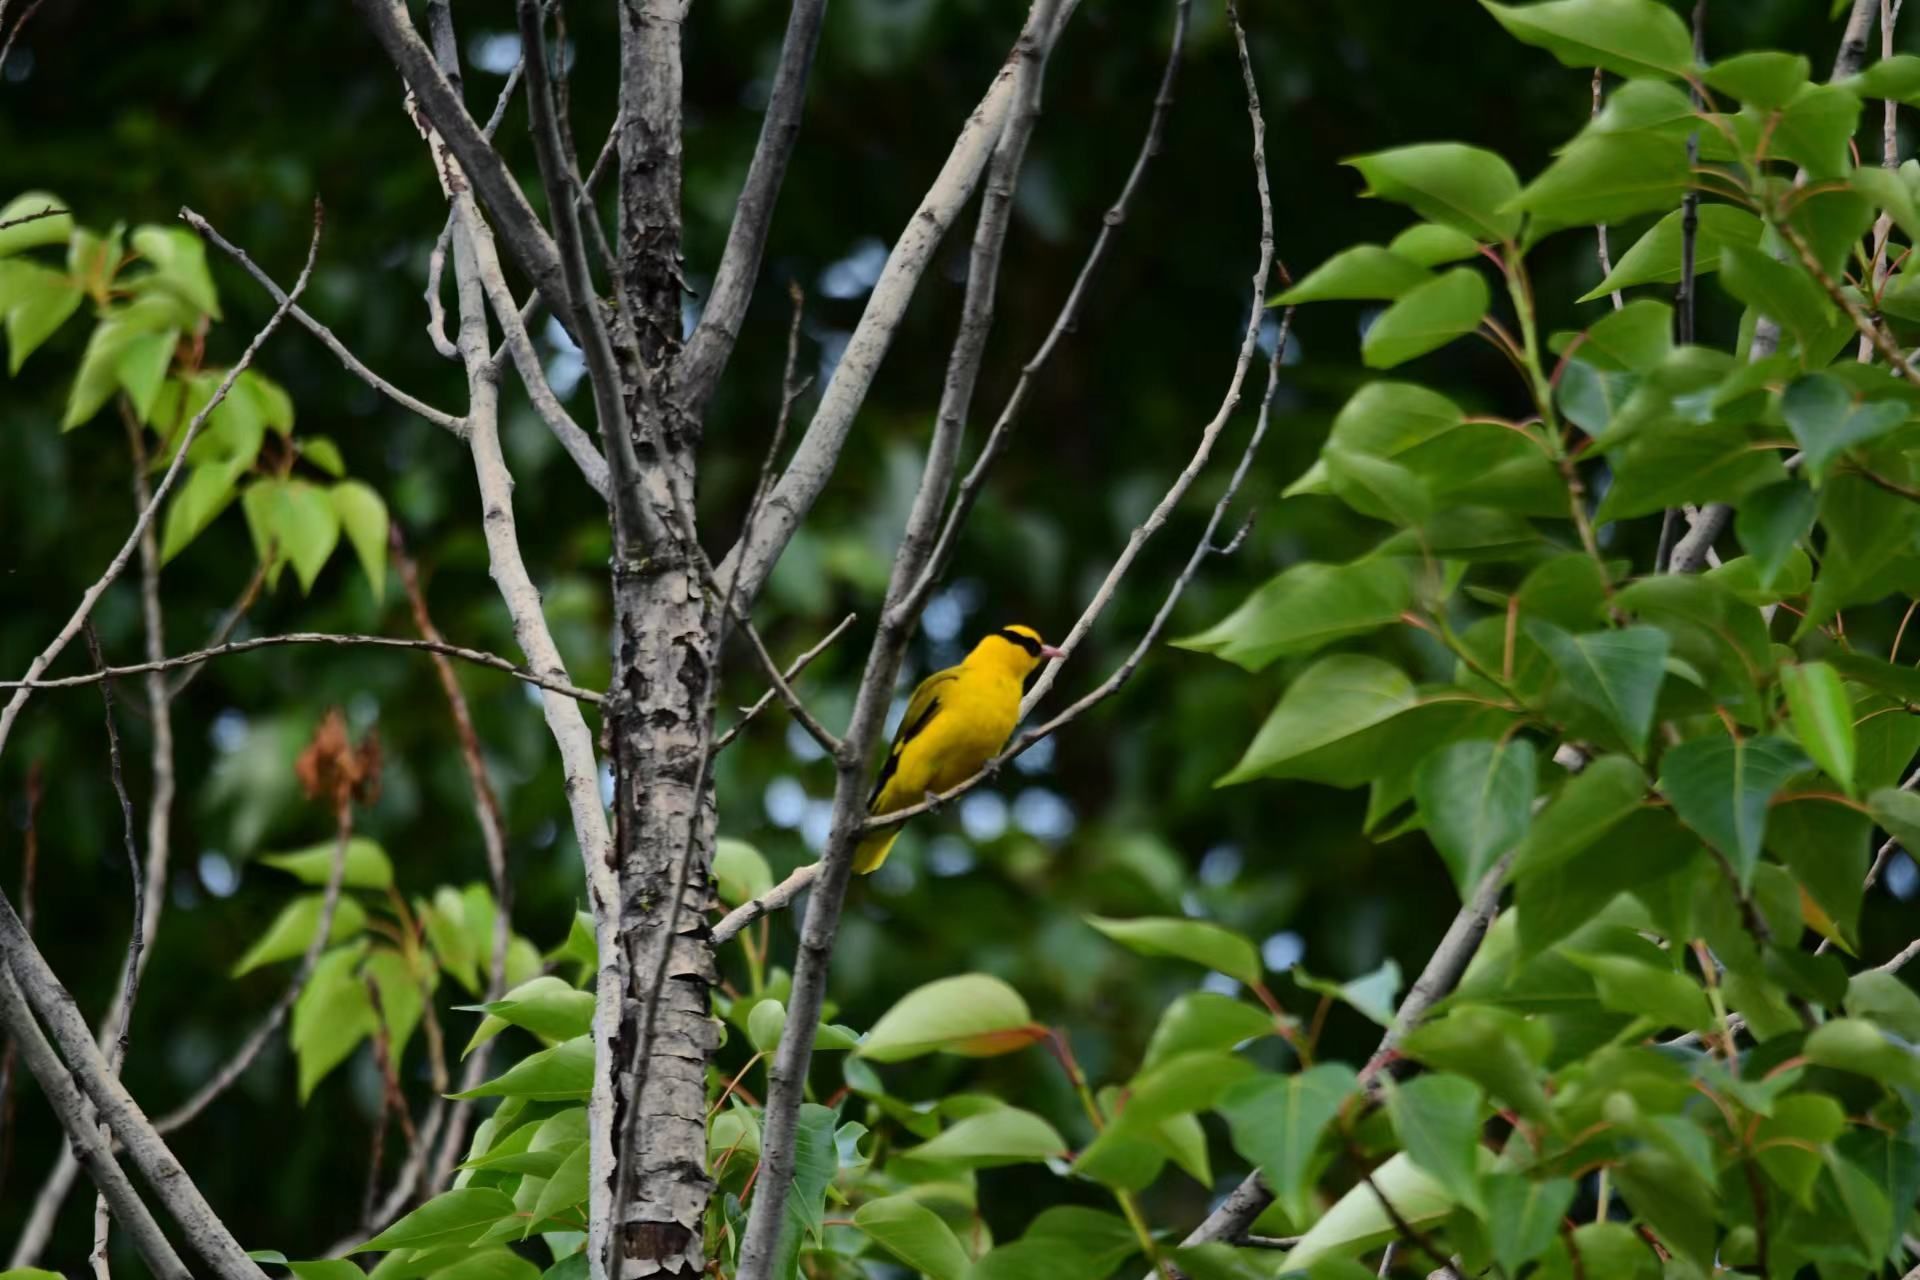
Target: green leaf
1026,1260
331,1017
1202,1020
1208,945
363,516
1001,1136
1345,720
496,1263
1897,77
1618,673
1644,990
1276,1122
1634,38
1524,1216
1614,1250
1372,994
1655,257
451,1218
1648,846
307,527
1476,798
740,874
179,262
1589,805
1763,79
1897,810
1426,318
1780,1141
321,452
1850,1044
1822,718
1607,177
99,373
1432,245
566,1188
815,1162
365,866
35,301
1500,1050
142,368
294,928
1306,608
563,1073
1775,289
546,1006
1721,787
1365,271
401,997
1637,338
1458,186
1357,1222
1686,464
973,1015
54,229
1825,846
1824,419
915,1235
1815,128
1438,1120
765,1022
197,502
1771,521
1885,999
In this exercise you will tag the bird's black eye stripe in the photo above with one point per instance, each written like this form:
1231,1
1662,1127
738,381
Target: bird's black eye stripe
1026,642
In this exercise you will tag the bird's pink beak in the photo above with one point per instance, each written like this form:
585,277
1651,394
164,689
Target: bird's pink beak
1049,651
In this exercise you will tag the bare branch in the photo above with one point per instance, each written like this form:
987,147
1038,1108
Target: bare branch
572,738
799,665
1064,323
1442,973
26,16
347,359
705,356
766,904
633,516
819,450
158,1167
478,657
119,562
437,259
1901,960
76,1119
222,631
815,730
51,211
532,248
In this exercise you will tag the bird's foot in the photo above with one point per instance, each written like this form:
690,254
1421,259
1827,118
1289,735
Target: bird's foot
933,801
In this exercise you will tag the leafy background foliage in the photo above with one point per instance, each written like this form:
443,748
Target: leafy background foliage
1115,924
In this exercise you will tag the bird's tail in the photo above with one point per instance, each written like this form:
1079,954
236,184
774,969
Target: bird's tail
872,851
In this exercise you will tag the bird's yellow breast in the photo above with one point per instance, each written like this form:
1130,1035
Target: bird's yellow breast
978,711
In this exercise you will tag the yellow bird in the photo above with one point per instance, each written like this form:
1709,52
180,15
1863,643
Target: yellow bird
956,721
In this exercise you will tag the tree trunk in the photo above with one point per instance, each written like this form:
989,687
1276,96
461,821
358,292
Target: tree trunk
662,658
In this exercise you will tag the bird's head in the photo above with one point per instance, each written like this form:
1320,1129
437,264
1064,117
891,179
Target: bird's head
1017,648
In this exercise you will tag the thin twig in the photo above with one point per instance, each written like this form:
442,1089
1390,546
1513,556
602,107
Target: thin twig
799,664
222,631
136,932
477,657
1600,228
1065,322
51,211
26,16
348,360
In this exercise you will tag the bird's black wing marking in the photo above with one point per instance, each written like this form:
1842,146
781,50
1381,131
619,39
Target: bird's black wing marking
908,732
